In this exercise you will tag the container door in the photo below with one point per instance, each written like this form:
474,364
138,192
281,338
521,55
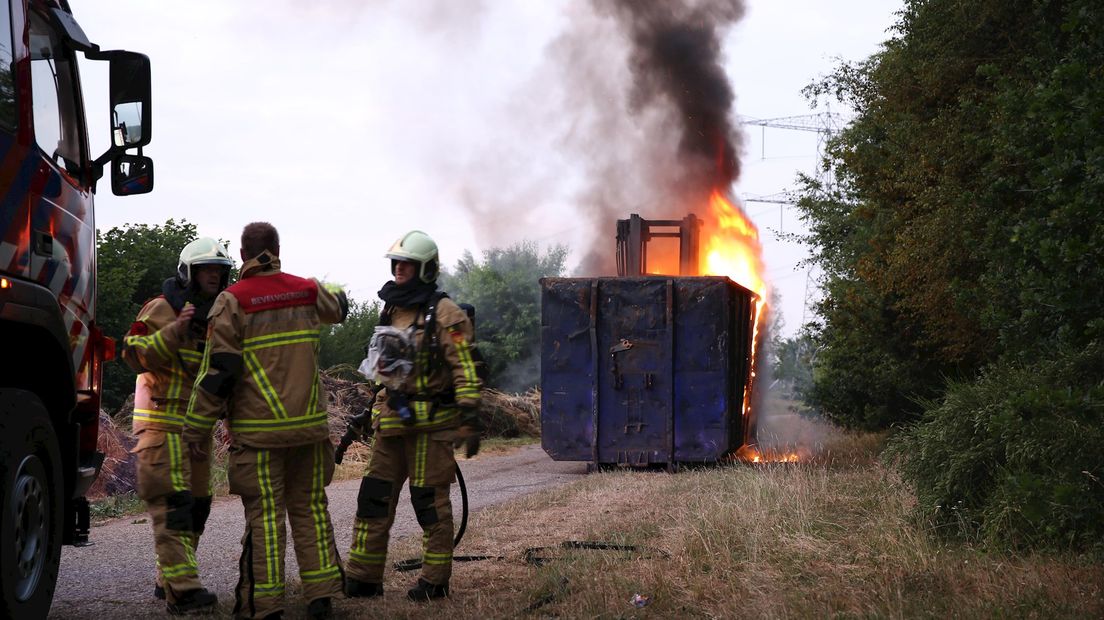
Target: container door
706,405
634,377
567,368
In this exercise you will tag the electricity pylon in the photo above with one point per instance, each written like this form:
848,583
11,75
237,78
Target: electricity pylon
825,125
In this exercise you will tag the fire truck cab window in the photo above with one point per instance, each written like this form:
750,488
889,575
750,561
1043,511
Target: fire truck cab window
7,80
56,124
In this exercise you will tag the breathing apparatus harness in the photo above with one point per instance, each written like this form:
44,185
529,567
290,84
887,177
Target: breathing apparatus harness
428,350
391,347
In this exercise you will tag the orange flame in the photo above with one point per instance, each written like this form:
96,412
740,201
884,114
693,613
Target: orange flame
729,247
751,454
732,249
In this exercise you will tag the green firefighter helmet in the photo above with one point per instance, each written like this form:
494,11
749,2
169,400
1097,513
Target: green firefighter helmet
202,251
416,247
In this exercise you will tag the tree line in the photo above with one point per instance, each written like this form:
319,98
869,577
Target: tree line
961,244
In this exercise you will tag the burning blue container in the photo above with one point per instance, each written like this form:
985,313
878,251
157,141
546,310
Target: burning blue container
644,370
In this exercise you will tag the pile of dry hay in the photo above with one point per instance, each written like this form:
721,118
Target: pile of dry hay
503,415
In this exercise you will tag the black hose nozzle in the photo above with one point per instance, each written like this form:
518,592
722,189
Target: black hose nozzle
356,427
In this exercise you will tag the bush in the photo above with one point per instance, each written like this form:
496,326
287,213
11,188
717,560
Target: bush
505,289
1016,457
342,345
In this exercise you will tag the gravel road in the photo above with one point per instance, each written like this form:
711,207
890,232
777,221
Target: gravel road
113,578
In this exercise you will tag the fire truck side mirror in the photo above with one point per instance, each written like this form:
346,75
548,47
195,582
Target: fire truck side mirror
130,99
131,121
131,174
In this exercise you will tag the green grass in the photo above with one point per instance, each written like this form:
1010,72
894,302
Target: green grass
793,541
116,506
502,445
833,536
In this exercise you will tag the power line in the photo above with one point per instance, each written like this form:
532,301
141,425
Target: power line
778,198
825,124
782,199
822,122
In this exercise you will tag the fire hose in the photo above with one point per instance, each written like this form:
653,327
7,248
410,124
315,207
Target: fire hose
533,555
353,431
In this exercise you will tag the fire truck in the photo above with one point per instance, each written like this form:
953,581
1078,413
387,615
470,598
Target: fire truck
51,350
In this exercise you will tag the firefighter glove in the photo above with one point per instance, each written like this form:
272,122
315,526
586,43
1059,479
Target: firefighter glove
469,416
471,427
468,437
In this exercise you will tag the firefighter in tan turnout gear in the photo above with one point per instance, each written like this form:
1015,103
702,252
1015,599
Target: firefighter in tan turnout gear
164,344
424,356
261,363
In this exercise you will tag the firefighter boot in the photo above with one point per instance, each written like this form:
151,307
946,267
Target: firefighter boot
193,601
354,588
425,591
320,609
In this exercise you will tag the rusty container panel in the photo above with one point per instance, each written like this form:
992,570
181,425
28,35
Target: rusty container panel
568,387
644,370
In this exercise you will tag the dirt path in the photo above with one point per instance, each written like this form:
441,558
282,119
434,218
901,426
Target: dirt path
114,577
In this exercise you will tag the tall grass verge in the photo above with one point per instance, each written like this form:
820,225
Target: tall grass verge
830,537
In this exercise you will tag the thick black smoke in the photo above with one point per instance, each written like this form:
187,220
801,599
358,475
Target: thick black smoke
678,95
676,60
629,112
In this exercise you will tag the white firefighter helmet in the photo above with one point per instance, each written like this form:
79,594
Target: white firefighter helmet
416,247
202,251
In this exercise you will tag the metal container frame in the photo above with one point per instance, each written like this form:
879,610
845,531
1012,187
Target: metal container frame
645,371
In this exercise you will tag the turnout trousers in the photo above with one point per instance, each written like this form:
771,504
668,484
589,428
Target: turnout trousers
177,492
275,483
427,459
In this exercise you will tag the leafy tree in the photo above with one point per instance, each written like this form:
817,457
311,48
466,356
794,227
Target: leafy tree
792,363
962,228
505,291
7,86
962,241
343,345
132,262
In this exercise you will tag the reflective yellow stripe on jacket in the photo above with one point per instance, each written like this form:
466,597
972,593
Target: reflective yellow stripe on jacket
281,421
421,417
154,341
193,420
172,412
470,389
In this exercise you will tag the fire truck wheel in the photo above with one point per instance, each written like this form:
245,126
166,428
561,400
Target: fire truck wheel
31,519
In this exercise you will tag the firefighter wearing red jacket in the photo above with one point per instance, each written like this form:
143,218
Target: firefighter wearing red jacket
164,345
261,363
428,402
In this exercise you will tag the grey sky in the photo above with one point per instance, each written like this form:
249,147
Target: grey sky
347,123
